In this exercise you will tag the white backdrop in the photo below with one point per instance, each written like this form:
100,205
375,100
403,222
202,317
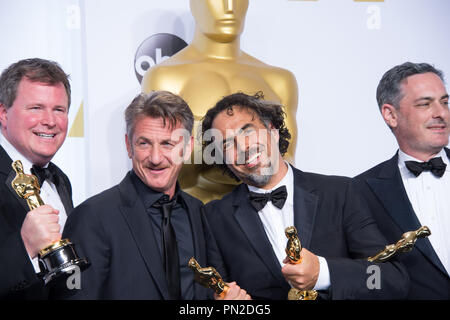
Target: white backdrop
51,29
337,49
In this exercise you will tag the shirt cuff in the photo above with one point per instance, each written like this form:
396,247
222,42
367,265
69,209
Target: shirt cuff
35,263
323,281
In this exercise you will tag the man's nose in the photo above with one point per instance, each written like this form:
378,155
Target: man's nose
440,110
155,155
241,144
48,118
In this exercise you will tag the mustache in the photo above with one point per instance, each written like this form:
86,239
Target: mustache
153,166
437,122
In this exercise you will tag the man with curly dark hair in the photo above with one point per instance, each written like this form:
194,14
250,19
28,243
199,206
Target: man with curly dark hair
271,114
249,137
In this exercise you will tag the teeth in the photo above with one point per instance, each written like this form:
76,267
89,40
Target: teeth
253,157
43,135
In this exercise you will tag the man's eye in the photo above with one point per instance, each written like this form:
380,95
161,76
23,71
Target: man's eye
168,144
249,131
227,145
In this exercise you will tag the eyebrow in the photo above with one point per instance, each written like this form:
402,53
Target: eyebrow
246,126
142,138
243,128
431,98
424,98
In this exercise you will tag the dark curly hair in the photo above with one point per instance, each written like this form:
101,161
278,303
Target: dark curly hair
268,112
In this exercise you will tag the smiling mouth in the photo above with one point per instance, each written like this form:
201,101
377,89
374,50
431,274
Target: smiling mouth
438,128
253,158
46,135
156,170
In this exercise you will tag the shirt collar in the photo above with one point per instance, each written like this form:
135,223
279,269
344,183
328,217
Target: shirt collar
15,155
148,195
288,181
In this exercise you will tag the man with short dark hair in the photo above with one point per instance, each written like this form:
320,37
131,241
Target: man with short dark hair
412,188
34,106
335,228
140,234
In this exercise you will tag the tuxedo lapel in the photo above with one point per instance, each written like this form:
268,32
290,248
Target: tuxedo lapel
305,208
197,236
7,170
251,225
22,201
5,162
389,189
197,229
134,214
64,189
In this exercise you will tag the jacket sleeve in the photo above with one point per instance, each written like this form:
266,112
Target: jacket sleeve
355,277
17,275
85,230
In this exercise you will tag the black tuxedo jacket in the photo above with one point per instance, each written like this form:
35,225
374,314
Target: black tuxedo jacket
332,223
113,230
383,189
18,279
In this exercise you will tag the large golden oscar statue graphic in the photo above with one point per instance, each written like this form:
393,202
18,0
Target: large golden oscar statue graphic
212,66
60,257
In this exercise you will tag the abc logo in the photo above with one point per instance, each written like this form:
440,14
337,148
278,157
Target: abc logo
154,50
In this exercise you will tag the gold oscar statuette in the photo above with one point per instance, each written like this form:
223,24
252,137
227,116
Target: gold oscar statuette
208,277
405,244
60,257
293,250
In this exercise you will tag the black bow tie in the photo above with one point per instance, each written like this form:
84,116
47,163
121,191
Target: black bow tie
435,165
277,196
43,174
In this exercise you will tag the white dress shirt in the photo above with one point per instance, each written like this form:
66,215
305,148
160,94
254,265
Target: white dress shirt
49,194
430,199
275,221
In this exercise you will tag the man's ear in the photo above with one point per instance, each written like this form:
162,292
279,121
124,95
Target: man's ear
3,115
129,147
390,115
